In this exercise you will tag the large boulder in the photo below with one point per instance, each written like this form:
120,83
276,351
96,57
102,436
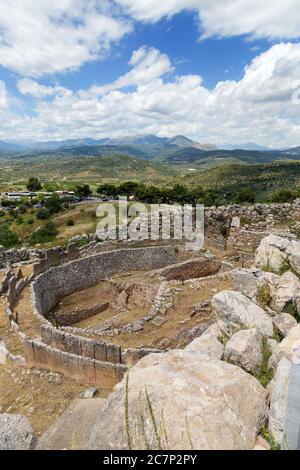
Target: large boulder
248,281
287,347
174,400
279,398
207,344
16,433
273,251
284,322
244,348
282,289
234,310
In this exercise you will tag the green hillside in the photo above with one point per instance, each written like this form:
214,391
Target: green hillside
261,178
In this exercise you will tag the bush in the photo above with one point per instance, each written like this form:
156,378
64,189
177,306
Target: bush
70,223
30,221
53,204
45,234
42,214
245,195
283,195
83,190
8,239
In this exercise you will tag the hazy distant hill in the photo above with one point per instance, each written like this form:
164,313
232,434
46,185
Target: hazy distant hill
66,165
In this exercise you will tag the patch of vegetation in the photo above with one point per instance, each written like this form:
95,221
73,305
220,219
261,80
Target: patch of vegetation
269,438
223,339
42,214
8,239
287,266
245,195
70,223
263,295
292,310
45,234
277,335
265,374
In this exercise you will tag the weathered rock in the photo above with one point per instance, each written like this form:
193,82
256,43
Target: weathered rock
274,250
248,281
244,348
278,400
16,433
201,404
88,393
284,322
208,344
71,431
282,289
235,310
3,353
261,444
287,347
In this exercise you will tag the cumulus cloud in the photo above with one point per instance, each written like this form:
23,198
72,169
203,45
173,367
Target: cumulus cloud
30,87
47,37
259,107
257,18
147,64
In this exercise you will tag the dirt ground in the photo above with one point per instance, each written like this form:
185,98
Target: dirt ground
36,394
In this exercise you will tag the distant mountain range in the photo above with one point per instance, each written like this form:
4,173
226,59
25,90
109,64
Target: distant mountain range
140,140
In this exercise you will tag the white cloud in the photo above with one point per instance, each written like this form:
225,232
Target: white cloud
51,36
268,18
258,107
148,64
30,87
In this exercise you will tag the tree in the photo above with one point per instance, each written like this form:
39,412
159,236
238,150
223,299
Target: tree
53,204
283,195
34,184
83,190
108,189
245,195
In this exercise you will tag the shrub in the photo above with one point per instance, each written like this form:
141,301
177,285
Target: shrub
45,234
53,204
42,214
70,223
30,221
283,195
8,239
245,195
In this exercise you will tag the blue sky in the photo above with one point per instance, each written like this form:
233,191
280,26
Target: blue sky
216,71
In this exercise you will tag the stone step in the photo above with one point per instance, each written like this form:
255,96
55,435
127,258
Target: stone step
72,429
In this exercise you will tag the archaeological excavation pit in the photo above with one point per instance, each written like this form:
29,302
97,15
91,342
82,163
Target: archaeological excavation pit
91,317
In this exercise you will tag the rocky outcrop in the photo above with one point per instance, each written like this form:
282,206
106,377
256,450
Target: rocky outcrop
174,401
16,433
208,344
287,347
244,348
284,322
273,251
279,398
248,281
282,289
234,310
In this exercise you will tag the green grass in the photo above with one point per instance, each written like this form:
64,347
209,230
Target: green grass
265,374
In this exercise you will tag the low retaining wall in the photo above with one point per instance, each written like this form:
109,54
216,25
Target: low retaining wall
52,286
80,346
82,368
70,318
